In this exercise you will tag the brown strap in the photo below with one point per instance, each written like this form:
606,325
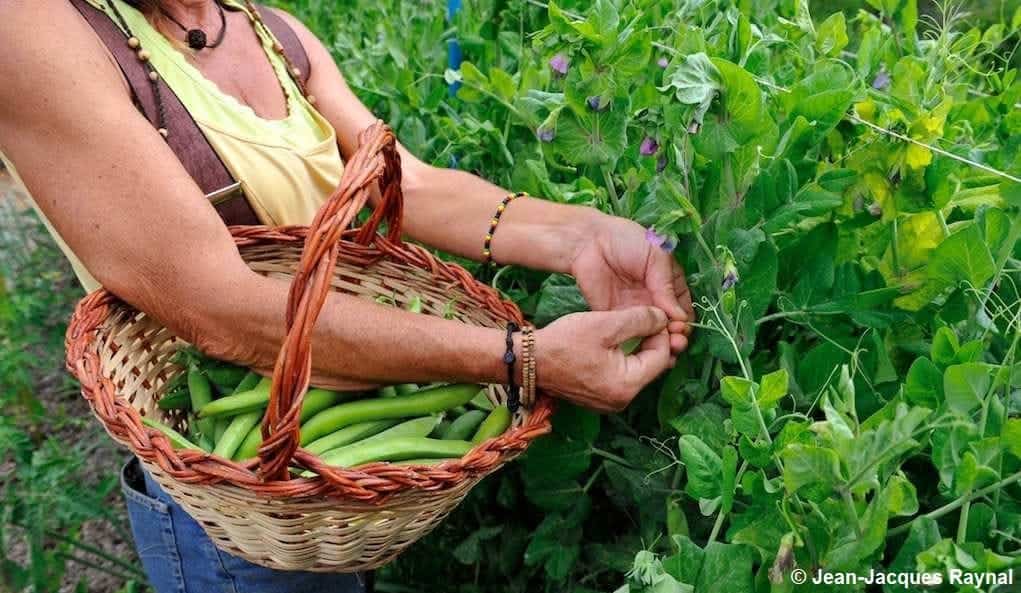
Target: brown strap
184,137
288,39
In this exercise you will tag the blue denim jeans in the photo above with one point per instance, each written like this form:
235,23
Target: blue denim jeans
179,557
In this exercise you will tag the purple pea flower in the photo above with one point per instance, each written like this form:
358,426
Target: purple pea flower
669,245
595,103
730,280
545,134
654,238
648,147
559,63
881,81
663,62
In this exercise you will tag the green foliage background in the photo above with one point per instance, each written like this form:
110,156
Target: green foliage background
852,399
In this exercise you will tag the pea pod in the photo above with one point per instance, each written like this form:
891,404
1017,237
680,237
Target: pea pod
225,376
464,426
493,426
406,388
440,429
249,382
177,439
388,391
178,399
395,450
418,427
426,401
201,394
236,433
315,401
239,403
219,427
346,435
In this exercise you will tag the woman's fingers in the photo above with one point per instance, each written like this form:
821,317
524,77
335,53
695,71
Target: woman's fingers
648,362
636,322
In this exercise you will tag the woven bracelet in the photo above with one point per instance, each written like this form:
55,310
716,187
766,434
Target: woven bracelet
509,358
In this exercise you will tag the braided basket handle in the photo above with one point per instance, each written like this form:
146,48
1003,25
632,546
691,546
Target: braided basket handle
375,162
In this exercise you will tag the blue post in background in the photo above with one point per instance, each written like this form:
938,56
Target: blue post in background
454,57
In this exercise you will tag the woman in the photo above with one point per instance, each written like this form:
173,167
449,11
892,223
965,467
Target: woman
121,191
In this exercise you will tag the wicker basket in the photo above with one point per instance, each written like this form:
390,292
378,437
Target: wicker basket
343,520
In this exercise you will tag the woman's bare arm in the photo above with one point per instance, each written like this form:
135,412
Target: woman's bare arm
451,209
121,200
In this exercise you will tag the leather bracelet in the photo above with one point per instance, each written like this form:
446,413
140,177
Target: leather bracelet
509,358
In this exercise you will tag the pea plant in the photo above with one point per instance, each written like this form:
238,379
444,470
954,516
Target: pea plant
843,190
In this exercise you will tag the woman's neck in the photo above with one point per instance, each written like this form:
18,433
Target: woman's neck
192,13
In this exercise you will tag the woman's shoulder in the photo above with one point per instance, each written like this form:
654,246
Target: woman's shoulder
49,49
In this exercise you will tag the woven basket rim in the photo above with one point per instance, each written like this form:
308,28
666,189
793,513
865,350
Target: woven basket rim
372,483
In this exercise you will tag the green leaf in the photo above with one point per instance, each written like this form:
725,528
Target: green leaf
944,347
924,383
773,389
695,81
503,84
554,458
727,568
591,138
901,496
809,464
703,467
742,100
963,257
1011,436
740,393
966,385
704,421
558,296
924,534
728,479
576,423
687,563
832,35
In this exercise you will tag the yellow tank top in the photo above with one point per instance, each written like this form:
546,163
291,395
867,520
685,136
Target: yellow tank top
286,167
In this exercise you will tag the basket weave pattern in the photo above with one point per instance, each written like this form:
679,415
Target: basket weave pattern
341,520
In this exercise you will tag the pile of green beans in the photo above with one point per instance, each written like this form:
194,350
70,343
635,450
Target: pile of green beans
224,407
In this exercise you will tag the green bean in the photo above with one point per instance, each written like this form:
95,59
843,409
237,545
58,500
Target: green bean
239,403
494,425
249,382
395,450
464,426
388,391
418,427
425,461
405,388
481,401
348,435
225,376
427,401
236,433
315,401
177,440
178,399
219,427
440,429
201,395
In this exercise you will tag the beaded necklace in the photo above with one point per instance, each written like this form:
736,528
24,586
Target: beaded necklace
144,56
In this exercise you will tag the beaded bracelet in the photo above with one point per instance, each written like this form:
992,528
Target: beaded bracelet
527,366
487,251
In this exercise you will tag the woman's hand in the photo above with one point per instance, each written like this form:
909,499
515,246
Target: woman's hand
579,356
618,267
